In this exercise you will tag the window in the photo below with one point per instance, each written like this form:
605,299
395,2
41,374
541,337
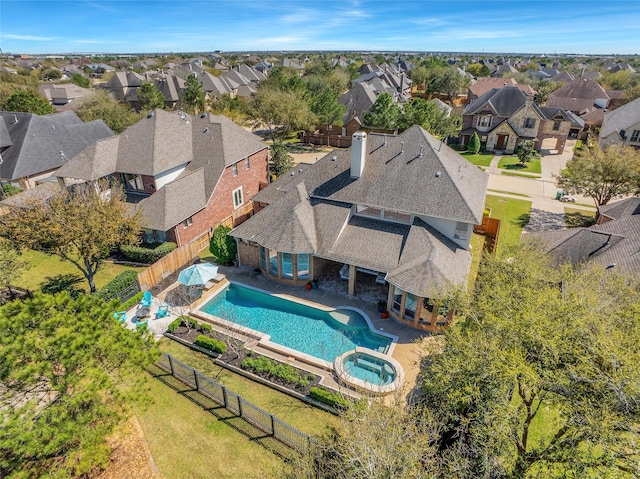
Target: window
635,136
397,299
461,231
247,163
287,265
397,216
234,169
237,198
132,182
410,304
154,236
263,257
529,122
188,222
556,125
484,121
427,304
368,211
273,263
303,266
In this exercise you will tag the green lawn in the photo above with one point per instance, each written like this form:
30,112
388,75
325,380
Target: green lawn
512,163
575,218
510,193
187,441
43,266
514,214
478,158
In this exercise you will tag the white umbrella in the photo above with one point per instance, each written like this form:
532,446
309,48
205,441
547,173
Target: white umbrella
198,274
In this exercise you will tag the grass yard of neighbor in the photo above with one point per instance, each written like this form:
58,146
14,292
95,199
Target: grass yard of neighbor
514,215
576,218
478,159
513,163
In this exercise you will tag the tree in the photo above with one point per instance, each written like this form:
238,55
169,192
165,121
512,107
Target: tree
602,174
421,112
384,113
281,160
526,152
150,97
11,266
193,96
29,102
79,225
69,373
478,70
223,246
51,74
474,143
420,75
100,105
326,107
80,80
282,112
543,89
539,377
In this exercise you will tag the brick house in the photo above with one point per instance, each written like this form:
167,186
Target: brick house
622,126
397,211
504,117
186,174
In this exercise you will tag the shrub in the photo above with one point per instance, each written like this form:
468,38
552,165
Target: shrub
474,143
211,344
133,300
141,254
327,397
9,189
117,285
270,368
223,246
175,324
206,327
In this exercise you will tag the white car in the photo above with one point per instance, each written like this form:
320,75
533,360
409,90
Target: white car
567,199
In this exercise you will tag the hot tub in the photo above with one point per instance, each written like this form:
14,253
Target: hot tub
369,371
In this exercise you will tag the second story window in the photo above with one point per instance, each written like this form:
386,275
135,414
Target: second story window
247,163
188,222
556,125
132,182
529,122
462,230
484,121
635,136
234,169
237,198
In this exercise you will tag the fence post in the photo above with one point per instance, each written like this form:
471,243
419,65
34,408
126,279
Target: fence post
195,377
273,426
224,396
240,406
171,364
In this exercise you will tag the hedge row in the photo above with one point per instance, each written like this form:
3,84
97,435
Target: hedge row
117,285
286,372
131,301
141,254
327,397
211,344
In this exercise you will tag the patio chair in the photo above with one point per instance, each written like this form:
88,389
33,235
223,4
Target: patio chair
163,311
146,299
142,324
120,316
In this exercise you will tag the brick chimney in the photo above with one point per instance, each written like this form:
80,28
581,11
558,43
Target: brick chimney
358,153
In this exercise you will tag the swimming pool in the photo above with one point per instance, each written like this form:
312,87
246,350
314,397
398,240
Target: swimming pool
322,334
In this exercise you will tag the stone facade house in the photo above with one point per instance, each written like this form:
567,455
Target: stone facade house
186,174
622,126
397,209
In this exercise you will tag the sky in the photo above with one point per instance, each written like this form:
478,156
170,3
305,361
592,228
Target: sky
164,26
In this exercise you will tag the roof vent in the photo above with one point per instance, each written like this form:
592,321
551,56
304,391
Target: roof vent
402,147
206,130
15,119
612,265
150,115
292,173
438,174
203,115
420,155
334,158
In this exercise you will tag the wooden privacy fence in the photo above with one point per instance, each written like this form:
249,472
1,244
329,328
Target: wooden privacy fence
171,263
254,415
490,227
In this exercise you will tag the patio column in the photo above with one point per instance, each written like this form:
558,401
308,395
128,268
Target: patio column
416,318
352,280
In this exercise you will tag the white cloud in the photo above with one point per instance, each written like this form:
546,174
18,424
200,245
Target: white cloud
27,38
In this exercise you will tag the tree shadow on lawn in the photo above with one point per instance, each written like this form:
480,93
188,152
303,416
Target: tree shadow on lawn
578,220
522,220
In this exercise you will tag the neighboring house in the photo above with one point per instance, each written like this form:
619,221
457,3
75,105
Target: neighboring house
586,98
501,70
622,126
63,94
613,243
484,84
172,88
504,117
185,174
124,84
100,67
32,147
400,207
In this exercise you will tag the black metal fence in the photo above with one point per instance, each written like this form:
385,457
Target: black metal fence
254,415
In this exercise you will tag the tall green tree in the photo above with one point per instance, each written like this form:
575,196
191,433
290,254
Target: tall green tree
80,226
193,98
80,80
384,113
281,161
421,112
478,70
150,97
100,105
526,152
68,374
29,102
602,174
11,265
326,107
223,246
281,112
540,377
420,75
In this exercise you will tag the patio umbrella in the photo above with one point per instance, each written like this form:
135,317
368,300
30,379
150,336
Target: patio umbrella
198,274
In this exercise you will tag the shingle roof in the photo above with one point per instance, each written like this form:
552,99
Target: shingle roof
42,143
357,100
621,118
622,208
577,96
503,101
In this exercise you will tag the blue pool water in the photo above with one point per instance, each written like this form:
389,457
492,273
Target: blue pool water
321,334
369,369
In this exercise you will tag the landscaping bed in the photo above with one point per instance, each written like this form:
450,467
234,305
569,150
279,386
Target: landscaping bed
281,374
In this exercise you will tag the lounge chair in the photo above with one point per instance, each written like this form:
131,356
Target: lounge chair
163,311
120,316
146,299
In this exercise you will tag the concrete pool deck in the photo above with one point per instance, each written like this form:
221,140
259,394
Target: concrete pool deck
407,350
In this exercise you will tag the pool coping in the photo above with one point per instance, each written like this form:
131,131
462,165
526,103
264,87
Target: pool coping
264,339
366,386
